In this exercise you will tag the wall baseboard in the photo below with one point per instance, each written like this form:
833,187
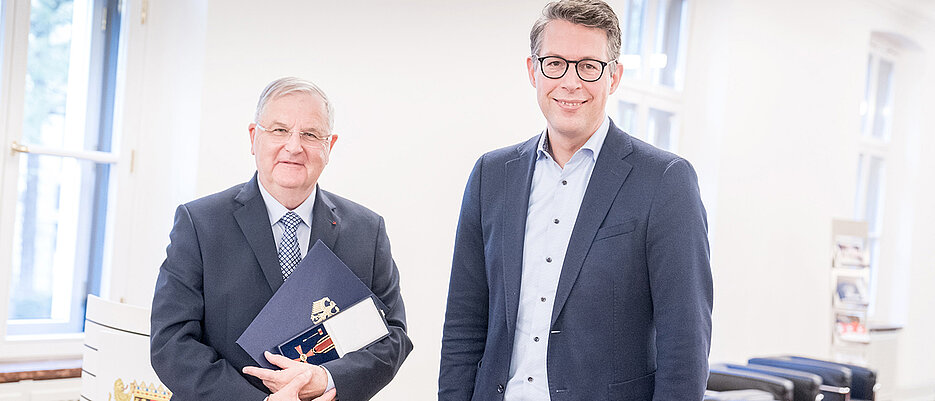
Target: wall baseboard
42,390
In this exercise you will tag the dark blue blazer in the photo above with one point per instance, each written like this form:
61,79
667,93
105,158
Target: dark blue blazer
632,315
222,267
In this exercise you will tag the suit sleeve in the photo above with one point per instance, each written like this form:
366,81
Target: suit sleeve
681,285
361,374
465,330
191,369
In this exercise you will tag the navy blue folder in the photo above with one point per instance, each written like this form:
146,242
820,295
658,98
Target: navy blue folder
321,274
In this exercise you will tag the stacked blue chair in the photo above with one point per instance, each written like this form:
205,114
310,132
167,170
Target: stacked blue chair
864,384
805,386
836,380
738,395
794,378
722,378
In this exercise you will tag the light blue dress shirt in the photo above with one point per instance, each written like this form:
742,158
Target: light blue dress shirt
276,210
554,199
303,231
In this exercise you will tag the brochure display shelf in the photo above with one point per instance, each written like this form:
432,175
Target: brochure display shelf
850,291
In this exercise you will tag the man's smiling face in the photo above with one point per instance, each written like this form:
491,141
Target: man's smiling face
572,107
290,167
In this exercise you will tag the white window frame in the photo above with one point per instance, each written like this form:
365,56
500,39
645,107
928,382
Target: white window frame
870,147
645,101
14,43
642,90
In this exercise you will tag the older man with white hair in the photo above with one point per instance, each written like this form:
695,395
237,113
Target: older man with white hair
232,250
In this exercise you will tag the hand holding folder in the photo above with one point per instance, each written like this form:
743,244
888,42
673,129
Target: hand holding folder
314,380
321,312
292,390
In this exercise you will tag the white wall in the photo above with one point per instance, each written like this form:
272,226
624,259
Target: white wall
160,117
786,165
771,124
773,113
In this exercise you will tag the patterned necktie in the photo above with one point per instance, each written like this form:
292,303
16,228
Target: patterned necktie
289,255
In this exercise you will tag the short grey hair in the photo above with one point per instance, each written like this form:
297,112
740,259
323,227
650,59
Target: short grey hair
590,13
289,85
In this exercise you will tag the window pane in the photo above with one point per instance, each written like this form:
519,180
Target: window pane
874,247
631,48
665,60
865,103
874,194
884,103
57,75
858,194
627,117
58,238
660,129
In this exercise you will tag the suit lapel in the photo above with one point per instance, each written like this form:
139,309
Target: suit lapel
518,181
253,220
325,221
608,176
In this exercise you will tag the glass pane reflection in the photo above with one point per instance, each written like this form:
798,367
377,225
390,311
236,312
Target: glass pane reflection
632,45
660,129
668,40
874,194
56,87
884,103
627,117
58,239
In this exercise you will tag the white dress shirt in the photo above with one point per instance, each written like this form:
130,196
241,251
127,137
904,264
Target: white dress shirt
554,199
303,231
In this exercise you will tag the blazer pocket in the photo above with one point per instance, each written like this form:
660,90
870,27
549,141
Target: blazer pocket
615,230
640,388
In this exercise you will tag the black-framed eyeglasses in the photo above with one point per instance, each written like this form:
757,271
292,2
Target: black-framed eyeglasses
555,67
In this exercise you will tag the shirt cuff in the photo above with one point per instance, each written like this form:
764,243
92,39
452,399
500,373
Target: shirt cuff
330,379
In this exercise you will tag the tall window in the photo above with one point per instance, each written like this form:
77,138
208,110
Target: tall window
876,111
59,69
649,100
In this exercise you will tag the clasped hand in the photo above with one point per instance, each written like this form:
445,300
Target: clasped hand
295,380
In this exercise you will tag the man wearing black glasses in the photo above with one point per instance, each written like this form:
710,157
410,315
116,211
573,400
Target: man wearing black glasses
581,264
231,251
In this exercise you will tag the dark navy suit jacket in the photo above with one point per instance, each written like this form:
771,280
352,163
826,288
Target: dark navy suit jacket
632,315
222,267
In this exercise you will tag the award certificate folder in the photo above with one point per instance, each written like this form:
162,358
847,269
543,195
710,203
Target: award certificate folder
319,288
